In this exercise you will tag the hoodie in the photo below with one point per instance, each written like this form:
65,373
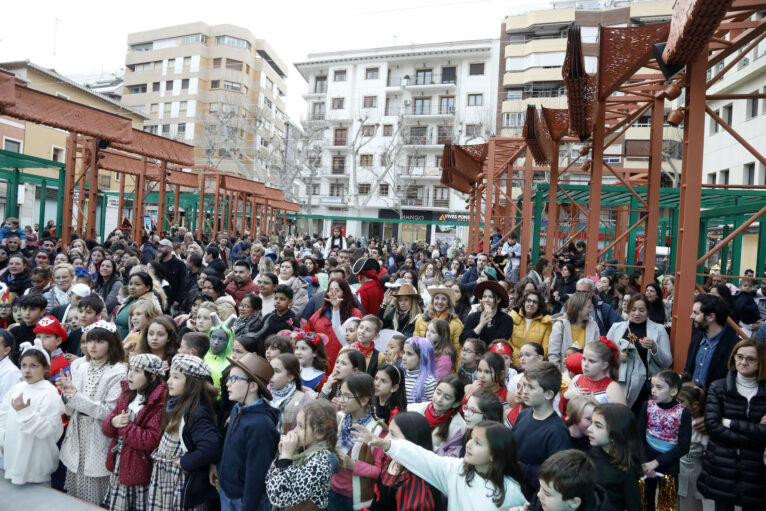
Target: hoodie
248,450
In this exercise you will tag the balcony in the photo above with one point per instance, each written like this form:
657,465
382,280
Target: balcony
429,141
416,171
422,81
427,111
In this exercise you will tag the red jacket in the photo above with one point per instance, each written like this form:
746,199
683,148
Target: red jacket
321,324
371,296
239,292
140,437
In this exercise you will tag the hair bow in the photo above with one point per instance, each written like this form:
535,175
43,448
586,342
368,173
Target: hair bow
307,336
612,346
81,271
106,325
36,346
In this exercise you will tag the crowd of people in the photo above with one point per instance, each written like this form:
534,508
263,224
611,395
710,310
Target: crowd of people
299,372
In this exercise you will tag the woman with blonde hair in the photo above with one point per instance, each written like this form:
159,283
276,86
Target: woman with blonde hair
442,306
574,327
63,278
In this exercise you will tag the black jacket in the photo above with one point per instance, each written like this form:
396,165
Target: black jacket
175,273
274,323
387,316
203,440
718,364
733,469
501,327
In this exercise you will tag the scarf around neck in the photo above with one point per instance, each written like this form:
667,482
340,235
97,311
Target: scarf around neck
433,418
281,395
345,440
365,351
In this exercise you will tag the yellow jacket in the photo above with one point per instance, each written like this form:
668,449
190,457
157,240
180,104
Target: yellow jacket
539,331
455,329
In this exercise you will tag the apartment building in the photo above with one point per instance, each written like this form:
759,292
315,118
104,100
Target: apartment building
532,52
383,116
216,87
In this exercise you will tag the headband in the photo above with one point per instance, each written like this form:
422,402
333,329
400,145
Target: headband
37,346
612,347
307,336
501,348
106,325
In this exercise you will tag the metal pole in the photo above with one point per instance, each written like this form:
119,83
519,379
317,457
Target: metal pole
43,193
201,211
69,173
526,213
538,220
488,191
60,201
121,199
177,205
161,198
594,203
552,231
90,221
217,205
653,190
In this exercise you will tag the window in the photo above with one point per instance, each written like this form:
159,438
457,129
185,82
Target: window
714,124
104,181
217,63
388,130
213,107
169,85
337,103
166,129
752,106
368,131
449,75
513,119
364,189
317,111
145,66
445,135
315,188
137,89
447,105
57,154
370,102
422,106
418,135
439,162
711,178
383,189
340,137
750,173
613,154
416,162
154,108
476,69
269,84
441,197
472,131
340,76
171,64
365,160
424,77
232,41
228,108
185,84
181,128
11,145
167,107
194,38
182,107
320,84
723,177
232,86
156,87
726,114
338,164
234,64
187,61
337,190
142,47
371,73
475,99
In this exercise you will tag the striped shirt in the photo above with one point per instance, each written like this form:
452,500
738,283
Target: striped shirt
410,377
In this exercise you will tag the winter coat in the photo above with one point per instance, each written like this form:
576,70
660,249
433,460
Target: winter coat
561,338
539,331
322,324
239,292
747,309
566,288
19,283
501,327
386,315
633,374
599,501
140,437
203,444
328,247
718,362
733,469
87,416
250,445
371,296
109,291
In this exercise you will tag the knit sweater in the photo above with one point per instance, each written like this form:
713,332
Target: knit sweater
429,385
28,437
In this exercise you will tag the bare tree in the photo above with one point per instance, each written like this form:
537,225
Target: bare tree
302,158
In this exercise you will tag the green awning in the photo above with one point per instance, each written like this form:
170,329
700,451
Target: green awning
10,160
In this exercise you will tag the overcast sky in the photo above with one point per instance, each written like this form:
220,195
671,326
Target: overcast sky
88,36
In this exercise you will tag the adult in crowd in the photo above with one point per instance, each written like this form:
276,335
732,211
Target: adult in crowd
63,278
140,287
538,275
108,285
214,262
644,351
563,286
471,275
290,277
653,294
401,310
339,305
249,308
442,306
17,274
733,471
370,293
335,242
602,313
606,291
491,321
240,284
573,328
213,287
531,323
174,271
712,340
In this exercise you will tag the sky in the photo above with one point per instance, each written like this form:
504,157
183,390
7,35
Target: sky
88,36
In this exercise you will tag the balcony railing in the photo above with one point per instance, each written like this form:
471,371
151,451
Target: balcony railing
318,117
320,88
426,140
519,95
422,110
338,171
418,80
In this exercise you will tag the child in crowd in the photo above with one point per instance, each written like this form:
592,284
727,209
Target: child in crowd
160,338
88,310
203,321
349,329
190,441
579,415
568,483
692,396
529,353
490,375
348,362
473,349
390,398
616,454
443,415
488,477
51,334
90,394
31,309
251,438
302,473
9,372
395,349
398,488
353,485
141,314
483,405
135,427
282,317
194,343
239,348
516,402
289,395
12,226
30,420
221,341
505,350
419,365
668,430
368,330
309,350
600,364
538,430
439,334
277,344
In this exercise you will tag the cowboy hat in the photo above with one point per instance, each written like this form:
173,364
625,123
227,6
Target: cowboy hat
407,290
258,369
496,288
442,290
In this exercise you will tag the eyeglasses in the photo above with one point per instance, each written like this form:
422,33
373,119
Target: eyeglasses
533,302
467,410
346,397
234,378
467,351
747,360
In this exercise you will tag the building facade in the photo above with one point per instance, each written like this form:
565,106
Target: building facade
382,117
216,87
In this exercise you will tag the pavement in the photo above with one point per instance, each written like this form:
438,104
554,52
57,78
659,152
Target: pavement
34,497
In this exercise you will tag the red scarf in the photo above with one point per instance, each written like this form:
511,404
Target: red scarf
433,418
365,351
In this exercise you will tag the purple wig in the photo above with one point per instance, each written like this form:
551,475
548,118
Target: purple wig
425,350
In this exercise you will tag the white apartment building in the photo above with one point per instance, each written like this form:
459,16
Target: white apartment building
383,116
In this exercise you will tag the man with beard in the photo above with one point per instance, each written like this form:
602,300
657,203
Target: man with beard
712,340
241,283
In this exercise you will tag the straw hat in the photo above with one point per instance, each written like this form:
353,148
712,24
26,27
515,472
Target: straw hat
496,288
443,290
